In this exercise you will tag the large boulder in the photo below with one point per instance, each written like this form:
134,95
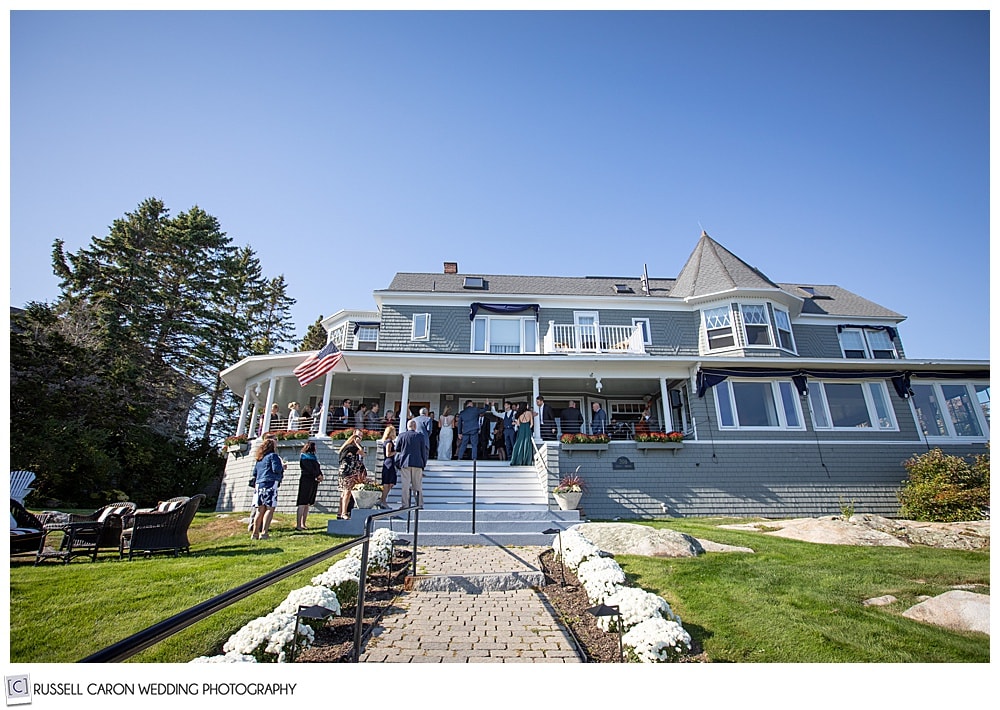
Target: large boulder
830,530
631,539
957,609
973,535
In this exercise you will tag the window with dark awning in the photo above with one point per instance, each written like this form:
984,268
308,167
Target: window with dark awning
505,309
358,325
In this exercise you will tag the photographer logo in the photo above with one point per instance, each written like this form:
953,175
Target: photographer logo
18,689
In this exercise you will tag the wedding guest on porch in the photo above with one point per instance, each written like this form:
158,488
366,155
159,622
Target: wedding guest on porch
268,472
344,415
598,420
413,450
446,435
309,479
509,430
524,450
643,425
389,475
374,420
390,419
497,447
435,434
571,418
424,425
352,461
469,426
293,416
275,416
547,417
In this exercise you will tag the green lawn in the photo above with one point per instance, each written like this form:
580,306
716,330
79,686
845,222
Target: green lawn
790,601
795,601
62,613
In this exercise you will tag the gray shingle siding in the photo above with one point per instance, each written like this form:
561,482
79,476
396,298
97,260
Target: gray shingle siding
770,481
816,341
672,333
450,330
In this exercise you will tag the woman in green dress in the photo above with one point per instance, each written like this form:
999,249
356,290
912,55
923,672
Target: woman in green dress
524,451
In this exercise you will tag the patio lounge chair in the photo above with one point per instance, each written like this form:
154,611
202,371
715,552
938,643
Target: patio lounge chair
26,532
161,530
20,485
110,516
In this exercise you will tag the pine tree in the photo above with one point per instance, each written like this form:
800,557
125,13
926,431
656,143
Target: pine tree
315,336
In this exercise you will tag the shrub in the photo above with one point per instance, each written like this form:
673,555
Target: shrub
943,488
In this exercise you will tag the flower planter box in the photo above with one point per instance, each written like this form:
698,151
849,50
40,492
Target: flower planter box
584,447
237,448
570,500
674,445
366,499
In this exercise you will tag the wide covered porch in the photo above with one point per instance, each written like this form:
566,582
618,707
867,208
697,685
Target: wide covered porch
623,387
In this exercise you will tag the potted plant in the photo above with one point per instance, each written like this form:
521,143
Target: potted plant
569,491
659,440
585,442
365,491
237,443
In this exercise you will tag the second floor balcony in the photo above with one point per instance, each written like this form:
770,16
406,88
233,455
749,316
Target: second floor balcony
577,339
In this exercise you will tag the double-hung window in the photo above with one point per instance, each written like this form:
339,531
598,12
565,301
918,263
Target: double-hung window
421,326
952,409
367,338
757,404
784,324
504,335
719,328
756,326
867,344
851,405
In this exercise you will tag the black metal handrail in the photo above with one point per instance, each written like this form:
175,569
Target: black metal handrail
142,640
474,476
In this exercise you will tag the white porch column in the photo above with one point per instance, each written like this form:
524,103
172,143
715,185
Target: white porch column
252,427
267,406
534,399
325,407
404,404
667,420
241,426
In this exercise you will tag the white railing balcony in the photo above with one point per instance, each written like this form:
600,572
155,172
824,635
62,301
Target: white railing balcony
589,339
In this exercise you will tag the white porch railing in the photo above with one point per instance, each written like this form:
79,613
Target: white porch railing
614,339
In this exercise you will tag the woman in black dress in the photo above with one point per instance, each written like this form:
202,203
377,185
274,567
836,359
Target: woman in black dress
352,461
309,480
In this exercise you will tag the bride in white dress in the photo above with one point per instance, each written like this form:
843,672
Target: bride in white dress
447,435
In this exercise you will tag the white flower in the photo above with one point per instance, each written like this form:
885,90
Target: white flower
379,549
575,548
342,578
309,596
231,657
601,577
269,638
656,640
636,605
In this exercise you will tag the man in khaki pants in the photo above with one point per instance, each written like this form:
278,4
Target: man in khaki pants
412,451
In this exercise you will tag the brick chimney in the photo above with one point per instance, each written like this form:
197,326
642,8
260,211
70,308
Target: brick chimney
451,267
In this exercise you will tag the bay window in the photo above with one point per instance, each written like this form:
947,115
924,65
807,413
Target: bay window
756,326
719,328
784,324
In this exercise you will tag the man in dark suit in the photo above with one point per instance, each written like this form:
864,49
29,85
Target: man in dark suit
468,426
345,416
547,417
487,421
509,433
412,450
599,421
571,418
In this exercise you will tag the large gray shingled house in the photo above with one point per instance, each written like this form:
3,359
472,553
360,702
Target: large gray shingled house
792,397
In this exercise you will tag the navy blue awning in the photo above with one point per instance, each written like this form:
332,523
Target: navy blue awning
709,377
502,308
365,324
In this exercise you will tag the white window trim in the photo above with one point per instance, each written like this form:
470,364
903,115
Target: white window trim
783,425
648,332
869,403
705,329
526,322
358,340
864,339
949,425
767,324
427,329
778,330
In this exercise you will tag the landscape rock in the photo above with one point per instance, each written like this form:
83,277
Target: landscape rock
632,539
957,609
709,546
879,601
833,530
972,535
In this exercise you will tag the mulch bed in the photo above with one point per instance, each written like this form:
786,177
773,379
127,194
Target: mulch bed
334,643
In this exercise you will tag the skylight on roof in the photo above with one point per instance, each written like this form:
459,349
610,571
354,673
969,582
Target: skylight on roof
623,288
474,282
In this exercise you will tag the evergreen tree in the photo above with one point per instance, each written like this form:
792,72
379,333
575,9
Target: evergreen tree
315,336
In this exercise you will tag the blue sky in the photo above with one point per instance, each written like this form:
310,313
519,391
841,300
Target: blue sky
821,147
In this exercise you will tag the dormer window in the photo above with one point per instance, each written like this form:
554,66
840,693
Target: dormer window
474,282
860,343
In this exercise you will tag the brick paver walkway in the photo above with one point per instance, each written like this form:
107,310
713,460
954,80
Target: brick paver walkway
457,627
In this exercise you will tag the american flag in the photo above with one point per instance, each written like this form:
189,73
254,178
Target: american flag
318,364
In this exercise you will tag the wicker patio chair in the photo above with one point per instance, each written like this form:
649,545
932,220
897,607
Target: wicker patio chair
110,516
28,531
159,530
